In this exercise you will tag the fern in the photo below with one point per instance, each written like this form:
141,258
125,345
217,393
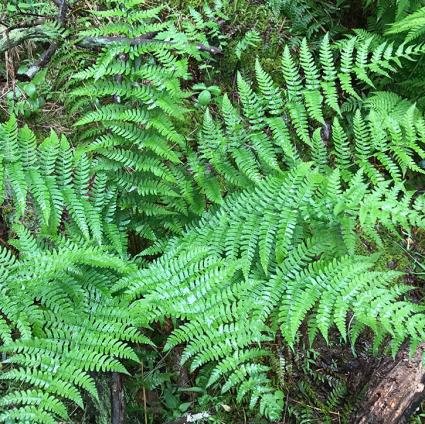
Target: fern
308,120
131,105
413,25
392,11
54,186
249,40
59,320
247,232
271,258
62,324
307,18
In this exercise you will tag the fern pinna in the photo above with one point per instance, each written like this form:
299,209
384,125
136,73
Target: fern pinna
311,118
269,259
132,105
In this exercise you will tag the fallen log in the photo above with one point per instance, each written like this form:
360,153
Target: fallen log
395,390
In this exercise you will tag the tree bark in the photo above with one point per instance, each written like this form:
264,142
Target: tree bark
395,390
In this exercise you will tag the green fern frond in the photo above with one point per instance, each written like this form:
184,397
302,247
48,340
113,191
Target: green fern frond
254,259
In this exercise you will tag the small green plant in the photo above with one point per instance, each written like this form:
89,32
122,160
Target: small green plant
206,94
28,98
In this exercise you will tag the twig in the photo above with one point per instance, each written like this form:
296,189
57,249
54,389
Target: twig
145,412
98,42
314,407
48,54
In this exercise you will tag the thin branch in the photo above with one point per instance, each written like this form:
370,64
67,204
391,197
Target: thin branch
46,57
98,42
15,36
42,61
28,24
209,49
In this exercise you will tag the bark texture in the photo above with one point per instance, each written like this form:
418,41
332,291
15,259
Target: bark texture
395,390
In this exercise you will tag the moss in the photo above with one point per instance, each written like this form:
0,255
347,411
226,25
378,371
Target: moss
393,257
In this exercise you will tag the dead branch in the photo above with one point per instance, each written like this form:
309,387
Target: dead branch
17,36
99,42
46,57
